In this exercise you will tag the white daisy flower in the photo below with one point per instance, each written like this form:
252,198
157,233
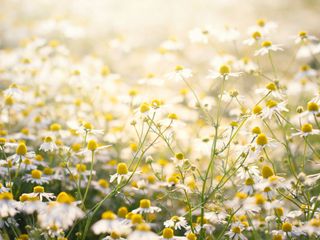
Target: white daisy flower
180,74
273,107
8,206
38,192
306,130
109,223
176,222
122,173
48,145
145,207
304,37
235,233
143,232
62,213
267,47
36,177
224,72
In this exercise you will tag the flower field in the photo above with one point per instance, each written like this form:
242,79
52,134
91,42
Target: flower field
155,121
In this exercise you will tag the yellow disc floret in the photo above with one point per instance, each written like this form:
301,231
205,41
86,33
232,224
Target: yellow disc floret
167,233
306,128
92,145
122,169
21,149
262,139
145,203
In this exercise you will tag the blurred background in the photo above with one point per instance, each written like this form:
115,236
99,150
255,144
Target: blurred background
92,26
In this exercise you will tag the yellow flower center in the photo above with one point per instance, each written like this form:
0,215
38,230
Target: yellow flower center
306,128
122,169
179,68
249,182
64,197
279,211
21,149
236,230
257,109
2,141
145,203
55,127
48,139
241,195
179,156
103,183
286,227
38,189
36,174
266,171
260,199
48,171
122,212
88,126
304,68
9,101
266,44
313,107
173,116
224,69
114,235
271,86
303,34
81,167
143,227
191,236
271,104
144,107
92,145
261,22
76,147
277,237
262,139
6,196
315,222
167,233
136,219
256,35
108,215
256,130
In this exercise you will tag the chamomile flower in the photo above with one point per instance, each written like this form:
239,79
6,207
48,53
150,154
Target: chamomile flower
38,192
22,153
262,142
108,224
304,38
274,107
176,222
224,73
48,145
180,74
122,173
272,89
267,47
36,177
235,232
8,206
306,130
61,213
145,207
13,90
142,232
255,38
